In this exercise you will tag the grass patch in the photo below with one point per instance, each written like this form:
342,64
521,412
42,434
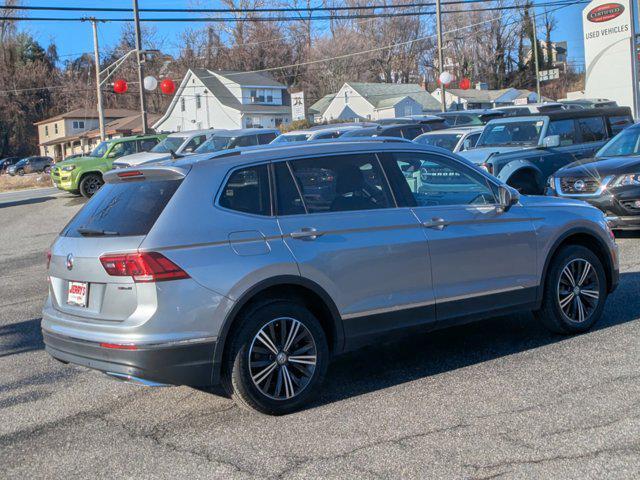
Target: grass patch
33,180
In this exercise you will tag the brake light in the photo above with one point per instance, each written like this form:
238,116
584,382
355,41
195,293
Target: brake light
143,267
131,173
117,346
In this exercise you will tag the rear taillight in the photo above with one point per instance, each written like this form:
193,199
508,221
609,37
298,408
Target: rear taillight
130,174
143,267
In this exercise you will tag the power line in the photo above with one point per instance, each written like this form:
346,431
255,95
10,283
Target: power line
290,19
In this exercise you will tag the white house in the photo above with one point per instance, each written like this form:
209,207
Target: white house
373,101
217,99
482,97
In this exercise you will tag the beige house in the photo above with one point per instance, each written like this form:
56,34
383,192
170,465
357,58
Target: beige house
66,134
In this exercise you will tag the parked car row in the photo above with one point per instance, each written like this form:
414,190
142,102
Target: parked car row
20,166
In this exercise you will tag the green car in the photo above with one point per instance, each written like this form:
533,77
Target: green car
84,174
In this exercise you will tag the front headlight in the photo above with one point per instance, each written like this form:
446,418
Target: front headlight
628,179
68,168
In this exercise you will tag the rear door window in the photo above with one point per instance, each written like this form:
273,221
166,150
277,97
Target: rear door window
566,129
147,144
195,142
592,129
123,209
341,183
247,191
244,141
392,132
412,132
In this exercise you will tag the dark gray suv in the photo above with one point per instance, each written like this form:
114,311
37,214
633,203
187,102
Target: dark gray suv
253,268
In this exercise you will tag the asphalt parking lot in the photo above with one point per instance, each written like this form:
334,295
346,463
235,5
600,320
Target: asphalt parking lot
501,398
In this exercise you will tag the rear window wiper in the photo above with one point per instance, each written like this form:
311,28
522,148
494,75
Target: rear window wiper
93,232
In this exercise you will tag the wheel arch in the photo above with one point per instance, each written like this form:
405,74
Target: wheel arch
586,238
519,167
310,293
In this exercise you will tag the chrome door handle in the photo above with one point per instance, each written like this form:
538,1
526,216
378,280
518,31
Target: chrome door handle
306,233
435,223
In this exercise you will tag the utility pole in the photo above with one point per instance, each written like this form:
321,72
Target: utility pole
443,99
139,54
96,56
535,54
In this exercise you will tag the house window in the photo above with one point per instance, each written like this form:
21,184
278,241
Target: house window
346,97
254,95
197,100
182,107
55,128
46,130
78,124
269,96
278,121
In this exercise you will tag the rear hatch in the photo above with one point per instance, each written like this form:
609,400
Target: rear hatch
114,222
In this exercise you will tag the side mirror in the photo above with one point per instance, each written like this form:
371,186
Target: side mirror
507,197
551,141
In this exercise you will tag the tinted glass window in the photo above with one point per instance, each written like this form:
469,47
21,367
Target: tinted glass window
391,132
195,142
121,149
464,120
443,140
343,183
147,144
264,138
244,141
592,129
566,129
625,143
247,190
470,141
288,199
123,209
431,180
618,124
412,132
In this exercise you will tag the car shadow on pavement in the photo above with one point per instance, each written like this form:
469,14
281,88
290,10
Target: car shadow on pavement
28,201
423,355
20,337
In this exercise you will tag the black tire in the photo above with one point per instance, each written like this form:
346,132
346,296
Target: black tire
567,319
243,363
20,172
47,170
525,184
90,184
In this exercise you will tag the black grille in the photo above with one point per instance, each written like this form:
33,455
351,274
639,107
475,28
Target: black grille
630,205
579,185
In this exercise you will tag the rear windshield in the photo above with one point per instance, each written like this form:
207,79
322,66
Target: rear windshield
122,209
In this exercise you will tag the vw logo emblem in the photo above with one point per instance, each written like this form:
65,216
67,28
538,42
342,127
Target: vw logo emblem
579,186
70,261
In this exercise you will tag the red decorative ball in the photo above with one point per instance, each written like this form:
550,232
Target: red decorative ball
465,84
167,86
120,86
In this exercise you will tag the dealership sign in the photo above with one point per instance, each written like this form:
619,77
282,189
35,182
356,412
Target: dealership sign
609,52
297,106
604,13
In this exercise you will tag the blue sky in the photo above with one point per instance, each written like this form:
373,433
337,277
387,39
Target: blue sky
74,38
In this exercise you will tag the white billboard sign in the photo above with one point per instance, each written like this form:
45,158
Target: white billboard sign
609,52
298,111
552,74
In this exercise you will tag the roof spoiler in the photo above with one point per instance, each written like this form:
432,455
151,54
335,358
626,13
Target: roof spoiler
145,173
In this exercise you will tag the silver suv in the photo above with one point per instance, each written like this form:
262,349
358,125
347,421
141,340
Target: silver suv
254,268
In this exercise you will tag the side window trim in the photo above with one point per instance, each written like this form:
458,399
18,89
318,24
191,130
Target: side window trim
386,181
274,189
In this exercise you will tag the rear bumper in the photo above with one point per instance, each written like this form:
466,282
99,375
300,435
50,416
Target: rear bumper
181,363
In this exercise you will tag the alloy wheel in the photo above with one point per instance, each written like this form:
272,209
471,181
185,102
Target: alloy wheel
93,185
282,358
578,290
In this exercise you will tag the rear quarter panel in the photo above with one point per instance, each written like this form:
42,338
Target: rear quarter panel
226,252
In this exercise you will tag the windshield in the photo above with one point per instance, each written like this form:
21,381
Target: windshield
442,140
215,143
298,137
22,162
100,150
169,143
512,133
625,143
